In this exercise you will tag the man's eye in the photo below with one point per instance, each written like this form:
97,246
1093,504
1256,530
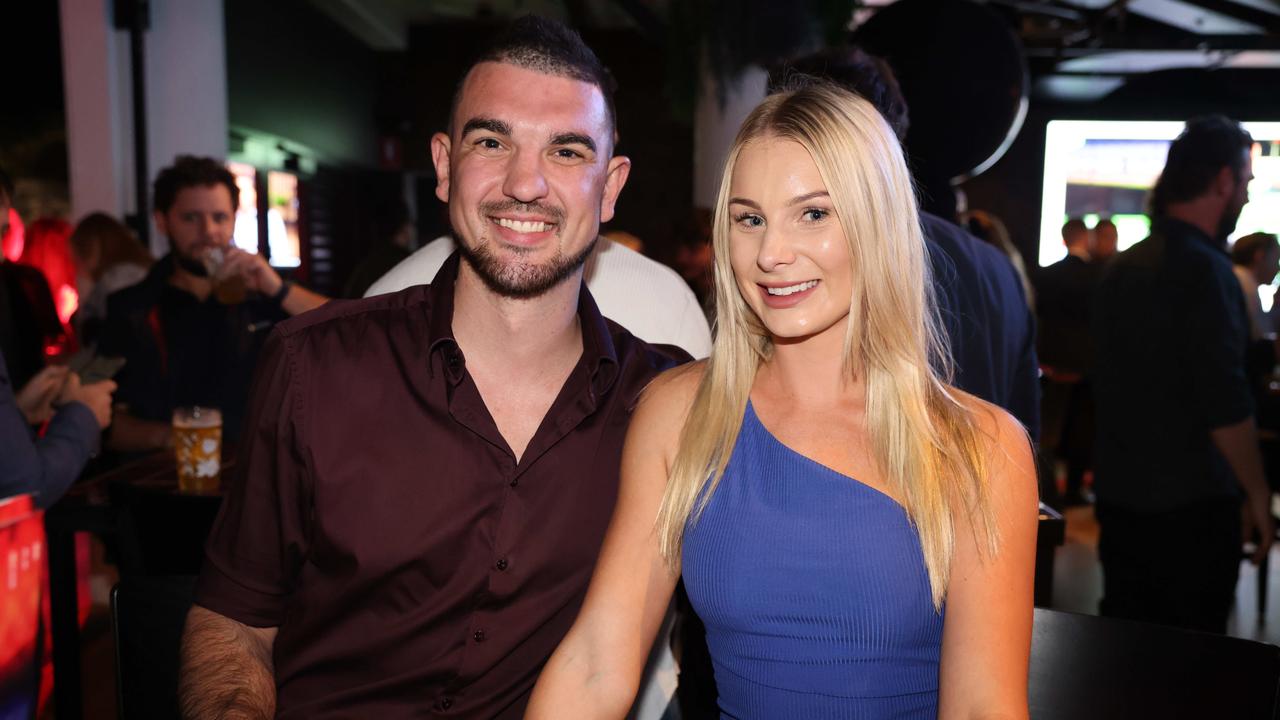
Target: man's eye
568,154
489,143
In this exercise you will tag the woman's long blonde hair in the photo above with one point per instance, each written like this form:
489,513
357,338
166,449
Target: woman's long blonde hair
923,437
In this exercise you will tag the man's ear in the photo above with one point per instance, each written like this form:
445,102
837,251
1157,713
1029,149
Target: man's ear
1225,182
440,146
162,223
619,169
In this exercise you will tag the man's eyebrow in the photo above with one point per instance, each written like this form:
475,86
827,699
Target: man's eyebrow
807,197
482,123
573,138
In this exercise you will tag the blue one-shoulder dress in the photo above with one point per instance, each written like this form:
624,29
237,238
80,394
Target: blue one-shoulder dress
814,592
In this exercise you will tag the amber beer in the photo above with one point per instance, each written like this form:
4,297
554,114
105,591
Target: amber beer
197,445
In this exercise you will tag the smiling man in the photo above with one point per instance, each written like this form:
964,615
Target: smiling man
421,498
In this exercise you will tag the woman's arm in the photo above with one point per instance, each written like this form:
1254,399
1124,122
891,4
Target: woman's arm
986,641
596,670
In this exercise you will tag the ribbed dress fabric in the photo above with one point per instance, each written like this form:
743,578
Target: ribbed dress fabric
813,590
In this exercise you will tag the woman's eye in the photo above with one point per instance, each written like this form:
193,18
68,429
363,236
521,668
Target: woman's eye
815,214
749,220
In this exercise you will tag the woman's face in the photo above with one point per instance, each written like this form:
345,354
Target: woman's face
786,244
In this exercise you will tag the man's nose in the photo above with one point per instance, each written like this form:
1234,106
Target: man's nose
525,180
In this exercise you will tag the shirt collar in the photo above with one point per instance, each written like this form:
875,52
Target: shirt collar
598,351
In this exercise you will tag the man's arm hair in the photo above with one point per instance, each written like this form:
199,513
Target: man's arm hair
225,669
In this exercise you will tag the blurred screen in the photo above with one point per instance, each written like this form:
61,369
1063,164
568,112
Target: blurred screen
1104,168
282,219
246,230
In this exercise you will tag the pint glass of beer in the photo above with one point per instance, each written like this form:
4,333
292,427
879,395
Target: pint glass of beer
197,443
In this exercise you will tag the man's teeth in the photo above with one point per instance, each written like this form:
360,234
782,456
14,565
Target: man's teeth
791,289
522,226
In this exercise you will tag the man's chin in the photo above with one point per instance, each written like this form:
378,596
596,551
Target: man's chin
514,275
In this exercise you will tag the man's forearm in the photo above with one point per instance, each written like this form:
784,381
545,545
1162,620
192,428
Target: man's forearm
299,300
226,669
1238,443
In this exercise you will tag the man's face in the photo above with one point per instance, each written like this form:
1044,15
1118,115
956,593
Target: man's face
529,175
202,217
1238,198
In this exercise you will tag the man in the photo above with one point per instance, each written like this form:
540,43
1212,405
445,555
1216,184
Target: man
1105,238
1064,292
1176,441
182,345
983,306
416,515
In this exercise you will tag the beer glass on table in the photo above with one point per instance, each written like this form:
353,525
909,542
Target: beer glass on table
197,446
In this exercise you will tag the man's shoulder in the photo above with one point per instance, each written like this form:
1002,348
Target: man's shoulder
971,260
419,268
641,356
616,266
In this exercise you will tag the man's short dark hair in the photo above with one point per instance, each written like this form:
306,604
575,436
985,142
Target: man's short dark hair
1103,222
548,47
1207,144
851,67
6,186
1243,252
1073,228
191,171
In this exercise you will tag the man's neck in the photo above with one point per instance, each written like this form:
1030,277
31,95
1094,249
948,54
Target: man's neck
1198,213
527,335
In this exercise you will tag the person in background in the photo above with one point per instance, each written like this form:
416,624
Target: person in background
108,258
47,249
1105,239
29,325
818,486
1065,346
1177,445
393,235
183,343
1255,259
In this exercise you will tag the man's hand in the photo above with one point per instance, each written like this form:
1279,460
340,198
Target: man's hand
257,273
35,399
97,397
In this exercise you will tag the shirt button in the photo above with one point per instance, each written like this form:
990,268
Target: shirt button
501,564
479,636
446,703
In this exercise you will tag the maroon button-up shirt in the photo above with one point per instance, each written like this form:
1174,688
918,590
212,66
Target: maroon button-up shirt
378,518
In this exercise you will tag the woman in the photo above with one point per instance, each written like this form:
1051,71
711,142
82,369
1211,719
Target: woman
110,258
857,536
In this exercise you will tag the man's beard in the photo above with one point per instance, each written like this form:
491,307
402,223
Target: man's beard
1227,224
518,279
192,265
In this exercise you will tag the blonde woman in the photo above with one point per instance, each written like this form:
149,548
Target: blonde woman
857,535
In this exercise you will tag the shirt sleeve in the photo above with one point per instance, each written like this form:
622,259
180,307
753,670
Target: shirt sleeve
44,467
259,541
1217,335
